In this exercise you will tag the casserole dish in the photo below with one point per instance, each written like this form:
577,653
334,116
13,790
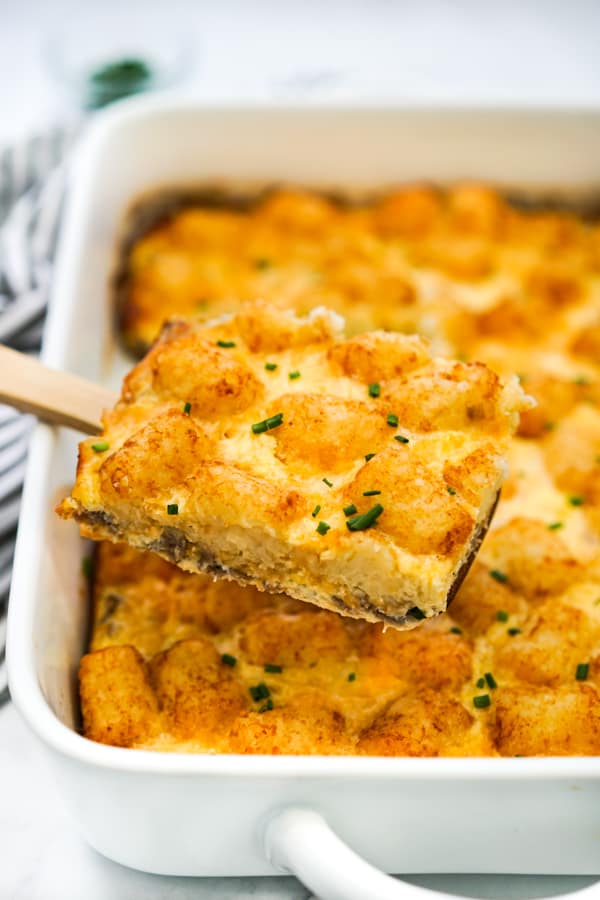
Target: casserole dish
235,815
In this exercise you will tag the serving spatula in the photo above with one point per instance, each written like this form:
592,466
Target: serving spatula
53,396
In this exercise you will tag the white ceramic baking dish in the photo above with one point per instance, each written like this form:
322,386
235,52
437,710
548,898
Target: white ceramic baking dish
235,815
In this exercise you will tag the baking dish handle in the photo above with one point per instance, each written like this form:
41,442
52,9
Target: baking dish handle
299,841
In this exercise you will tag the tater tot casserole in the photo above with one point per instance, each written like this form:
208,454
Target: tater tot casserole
177,662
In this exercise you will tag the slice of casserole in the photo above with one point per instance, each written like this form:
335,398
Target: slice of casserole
359,475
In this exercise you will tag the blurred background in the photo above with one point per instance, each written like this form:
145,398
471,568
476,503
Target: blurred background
278,50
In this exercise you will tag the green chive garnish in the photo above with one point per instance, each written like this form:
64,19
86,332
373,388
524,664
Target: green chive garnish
370,493
100,446
502,577
491,681
323,527
229,660
416,613
554,526
316,511
172,509
392,420
271,667
455,630
401,439
450,490
349,510
513,631
266,707
582,671
267,424
481,701
352,676
87,567
187,408
369,456
576,500
374,389
262,263
270,367
327,482
581,380
502,615
293,375
259,691
480,683
226,344
364,520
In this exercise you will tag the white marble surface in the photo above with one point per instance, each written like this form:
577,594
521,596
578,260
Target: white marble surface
465,50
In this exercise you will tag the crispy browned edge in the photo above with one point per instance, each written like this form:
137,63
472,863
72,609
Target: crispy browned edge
154,207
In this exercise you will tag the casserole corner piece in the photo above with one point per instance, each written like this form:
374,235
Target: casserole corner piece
358,474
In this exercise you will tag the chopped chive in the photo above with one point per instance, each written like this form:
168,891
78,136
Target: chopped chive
576,500
270,367
327,482
226,344
293,375
374,389
323,527
455,630
187,408
554,526
349,510
401,439
87,567
480,683
316,511
502,615
259,691
581,380
502,577
229,660
172,509
549,426
582,671
271,667
364,520
450,490
267,424
369,456
513,631
491,681
262,263
266,707
100,446
370,493
416,613
392,420
481,701
352,676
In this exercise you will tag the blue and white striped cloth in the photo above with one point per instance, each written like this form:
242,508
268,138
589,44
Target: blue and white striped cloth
31,189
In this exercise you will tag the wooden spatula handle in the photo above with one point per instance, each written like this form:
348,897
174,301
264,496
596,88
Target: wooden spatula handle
56,397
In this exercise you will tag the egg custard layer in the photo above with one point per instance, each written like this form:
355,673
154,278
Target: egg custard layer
357,474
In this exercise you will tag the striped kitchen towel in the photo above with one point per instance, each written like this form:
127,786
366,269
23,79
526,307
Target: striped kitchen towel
31,189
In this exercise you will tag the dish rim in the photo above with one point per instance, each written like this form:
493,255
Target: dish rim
21,652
